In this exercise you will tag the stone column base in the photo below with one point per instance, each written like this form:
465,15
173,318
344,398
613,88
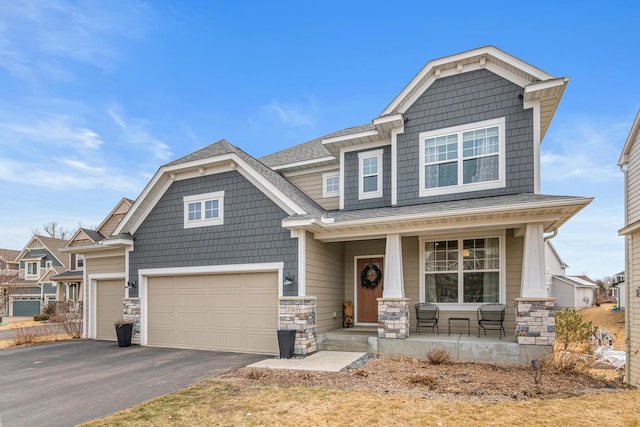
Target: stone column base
131,311
299,313
393,318
536,321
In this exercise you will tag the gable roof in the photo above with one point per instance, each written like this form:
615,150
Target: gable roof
577,281
9,255
217,157
51,244
537,84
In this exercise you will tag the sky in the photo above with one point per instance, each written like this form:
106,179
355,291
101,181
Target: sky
96,96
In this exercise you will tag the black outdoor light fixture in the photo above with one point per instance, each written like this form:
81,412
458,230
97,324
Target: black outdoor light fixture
288,280
130,285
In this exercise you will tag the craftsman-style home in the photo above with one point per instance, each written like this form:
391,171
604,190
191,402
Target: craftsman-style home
437,200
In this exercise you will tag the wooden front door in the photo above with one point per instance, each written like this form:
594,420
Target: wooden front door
369,284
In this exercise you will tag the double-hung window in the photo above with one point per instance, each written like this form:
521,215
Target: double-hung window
32,269
370,174
203,210
463,271
463,158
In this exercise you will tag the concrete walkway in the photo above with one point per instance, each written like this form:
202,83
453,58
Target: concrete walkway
328,361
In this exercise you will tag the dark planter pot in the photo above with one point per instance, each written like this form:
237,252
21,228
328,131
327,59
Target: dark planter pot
286,343
124,333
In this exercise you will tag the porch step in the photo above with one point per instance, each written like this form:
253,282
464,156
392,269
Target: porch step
364,341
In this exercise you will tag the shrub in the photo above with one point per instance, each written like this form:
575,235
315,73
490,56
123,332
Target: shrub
439,356
70,315
41,317
423,380
25,335
572,330
50,309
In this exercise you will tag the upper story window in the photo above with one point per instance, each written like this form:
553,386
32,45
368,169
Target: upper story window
79,261
32,269
203,210
331,184
48,264
463,158
370,174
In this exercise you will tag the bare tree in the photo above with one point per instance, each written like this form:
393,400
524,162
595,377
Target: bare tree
6,290
55,230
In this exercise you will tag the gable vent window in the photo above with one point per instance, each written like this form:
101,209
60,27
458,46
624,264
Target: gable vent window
370,174
463,158
203,210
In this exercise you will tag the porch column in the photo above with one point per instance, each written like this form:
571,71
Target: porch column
393,276
533,277
393,307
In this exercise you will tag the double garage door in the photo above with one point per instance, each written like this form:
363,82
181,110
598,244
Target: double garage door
227,312
26,306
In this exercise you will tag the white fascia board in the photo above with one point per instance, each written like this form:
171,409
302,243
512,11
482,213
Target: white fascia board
631,139
298,223
304,163
116,243
469,211
630,228
350,137
460,57
530,89
334,168
161,181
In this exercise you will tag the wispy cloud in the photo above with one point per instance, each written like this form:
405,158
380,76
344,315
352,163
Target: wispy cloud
52,129
38,39
136,131
291,115
583,150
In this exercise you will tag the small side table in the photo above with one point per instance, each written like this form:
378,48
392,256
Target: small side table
461,319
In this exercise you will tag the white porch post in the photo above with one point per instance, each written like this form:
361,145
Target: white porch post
393,276
533,277
393,307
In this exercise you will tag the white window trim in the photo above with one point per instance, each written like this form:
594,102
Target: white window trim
203,222
325,177
371,194
460,187
501,235
79,257
28,275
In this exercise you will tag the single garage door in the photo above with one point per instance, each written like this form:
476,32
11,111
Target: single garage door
227,312
26,307
109,294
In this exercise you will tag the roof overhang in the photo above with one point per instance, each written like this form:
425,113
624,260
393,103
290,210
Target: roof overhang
631,228
307,164
552,214
548,94
634,133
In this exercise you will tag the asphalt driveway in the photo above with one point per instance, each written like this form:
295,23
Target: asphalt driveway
73,382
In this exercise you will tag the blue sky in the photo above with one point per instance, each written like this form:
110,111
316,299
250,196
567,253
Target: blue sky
95,96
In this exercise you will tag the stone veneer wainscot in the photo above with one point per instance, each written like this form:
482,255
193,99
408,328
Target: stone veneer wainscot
299,313
536,321
393,318
131,311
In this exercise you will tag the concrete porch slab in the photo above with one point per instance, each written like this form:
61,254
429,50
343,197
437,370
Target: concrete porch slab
327,361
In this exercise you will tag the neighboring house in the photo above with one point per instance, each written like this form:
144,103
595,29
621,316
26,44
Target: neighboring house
70,282
554,265
9,268
575,292
33,287
629,162
619,290
437,199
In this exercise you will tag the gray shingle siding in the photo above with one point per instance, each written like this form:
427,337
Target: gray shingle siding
351,169
466,98
252,231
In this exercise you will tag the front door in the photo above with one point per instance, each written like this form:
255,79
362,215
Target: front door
369,284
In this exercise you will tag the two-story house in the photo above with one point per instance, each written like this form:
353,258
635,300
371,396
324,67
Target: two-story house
70,282
9,268
629,162
437,199
39,261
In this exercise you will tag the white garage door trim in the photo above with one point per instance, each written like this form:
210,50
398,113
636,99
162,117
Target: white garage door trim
90,315
143,274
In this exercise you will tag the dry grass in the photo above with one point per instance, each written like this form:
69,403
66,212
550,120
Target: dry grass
216,403
607,320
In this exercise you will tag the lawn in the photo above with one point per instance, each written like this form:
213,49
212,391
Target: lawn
213,403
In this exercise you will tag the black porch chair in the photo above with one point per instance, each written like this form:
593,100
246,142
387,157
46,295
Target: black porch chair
491,316
427,316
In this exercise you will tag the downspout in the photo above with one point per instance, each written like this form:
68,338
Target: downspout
553,234
627,278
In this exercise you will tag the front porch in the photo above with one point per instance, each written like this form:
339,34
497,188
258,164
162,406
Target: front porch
461,347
